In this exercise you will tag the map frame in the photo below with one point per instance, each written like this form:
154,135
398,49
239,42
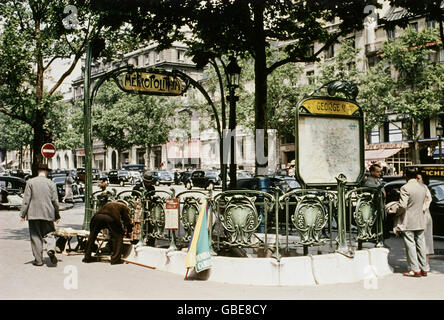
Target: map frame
335,108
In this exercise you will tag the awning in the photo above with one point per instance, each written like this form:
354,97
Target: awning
380,154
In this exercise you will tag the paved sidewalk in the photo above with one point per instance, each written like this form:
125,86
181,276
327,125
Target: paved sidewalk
19,279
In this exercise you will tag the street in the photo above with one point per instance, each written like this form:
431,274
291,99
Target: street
21,280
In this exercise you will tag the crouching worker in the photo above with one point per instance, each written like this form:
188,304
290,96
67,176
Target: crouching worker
110,217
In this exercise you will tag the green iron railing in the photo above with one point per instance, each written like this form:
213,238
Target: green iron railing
247,218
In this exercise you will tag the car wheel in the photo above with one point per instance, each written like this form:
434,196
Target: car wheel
210,186
188,185
122,183
157,183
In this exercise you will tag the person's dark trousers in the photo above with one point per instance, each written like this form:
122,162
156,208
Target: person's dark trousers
150,241
41,231
100,222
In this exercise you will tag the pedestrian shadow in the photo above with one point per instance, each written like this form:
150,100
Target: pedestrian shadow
15,234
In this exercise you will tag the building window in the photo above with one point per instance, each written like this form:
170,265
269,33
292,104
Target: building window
414,25
395,133
181,55
431,24
311,50
391,34
330,52
310,77
373,60
351,41
374,135
157,56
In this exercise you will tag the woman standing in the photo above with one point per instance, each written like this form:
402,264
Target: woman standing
428,231
68,188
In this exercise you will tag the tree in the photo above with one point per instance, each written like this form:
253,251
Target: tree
122,120
245,27
433,10
14,135
32,38
406,83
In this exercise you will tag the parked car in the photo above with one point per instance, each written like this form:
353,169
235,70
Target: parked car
81,173
17,173
119,177
77,190
185,177
392,190
204,179
134,177
11,191
162,177
134,167
285,183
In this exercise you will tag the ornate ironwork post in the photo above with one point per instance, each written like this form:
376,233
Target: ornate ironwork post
342,229
276,254
87,138
380,226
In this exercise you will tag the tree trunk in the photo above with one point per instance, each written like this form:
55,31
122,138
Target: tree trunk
147,157
260,81
40,114
37,144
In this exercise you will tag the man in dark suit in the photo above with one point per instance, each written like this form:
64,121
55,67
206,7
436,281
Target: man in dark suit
41,208
110,217
146,185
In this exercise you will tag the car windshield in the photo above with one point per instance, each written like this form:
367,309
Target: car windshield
164,174
58,179
293,184
438,192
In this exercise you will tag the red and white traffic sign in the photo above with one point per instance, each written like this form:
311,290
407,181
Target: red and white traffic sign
48,150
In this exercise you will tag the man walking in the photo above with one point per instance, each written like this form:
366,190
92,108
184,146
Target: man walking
411,223
41,208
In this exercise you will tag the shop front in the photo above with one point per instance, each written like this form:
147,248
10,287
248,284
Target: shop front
392,157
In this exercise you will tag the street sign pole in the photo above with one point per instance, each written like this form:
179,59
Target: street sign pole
87,137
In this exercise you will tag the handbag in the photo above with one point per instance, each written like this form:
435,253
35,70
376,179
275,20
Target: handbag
393,208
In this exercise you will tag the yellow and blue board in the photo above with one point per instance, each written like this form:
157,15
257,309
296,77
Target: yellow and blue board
199,256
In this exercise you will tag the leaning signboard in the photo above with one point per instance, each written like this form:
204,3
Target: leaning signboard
329,141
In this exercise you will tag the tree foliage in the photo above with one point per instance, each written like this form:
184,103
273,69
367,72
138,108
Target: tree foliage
33,37
244,28
122,120
406,82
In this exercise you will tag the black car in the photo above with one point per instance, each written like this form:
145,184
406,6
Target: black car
204,179
119,177
18,173
436,187
78,191
81,173
162,177
11,187
285,183
185,177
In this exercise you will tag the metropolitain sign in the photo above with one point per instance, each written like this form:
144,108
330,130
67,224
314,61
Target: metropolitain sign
151,83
